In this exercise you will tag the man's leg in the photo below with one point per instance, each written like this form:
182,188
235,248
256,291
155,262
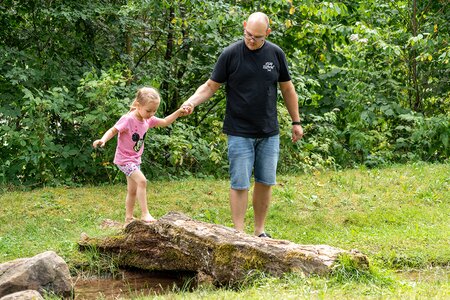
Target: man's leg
238,203
267,152
262,194
241,157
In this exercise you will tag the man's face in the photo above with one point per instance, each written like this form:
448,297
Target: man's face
255,34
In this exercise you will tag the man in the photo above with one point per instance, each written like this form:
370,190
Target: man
251,69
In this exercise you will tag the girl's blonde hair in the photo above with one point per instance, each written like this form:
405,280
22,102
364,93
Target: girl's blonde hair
144,96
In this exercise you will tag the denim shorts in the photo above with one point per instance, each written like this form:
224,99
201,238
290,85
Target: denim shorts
259,155
129,168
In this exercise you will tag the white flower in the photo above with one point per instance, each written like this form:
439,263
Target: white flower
354,37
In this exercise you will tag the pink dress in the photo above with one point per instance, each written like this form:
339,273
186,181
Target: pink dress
130,141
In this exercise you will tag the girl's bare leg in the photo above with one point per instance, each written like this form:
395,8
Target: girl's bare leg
141,194
130,200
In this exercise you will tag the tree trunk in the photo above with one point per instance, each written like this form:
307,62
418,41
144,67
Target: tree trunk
220,254
414,96
165,85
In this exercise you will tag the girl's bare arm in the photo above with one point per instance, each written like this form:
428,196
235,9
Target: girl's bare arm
106,137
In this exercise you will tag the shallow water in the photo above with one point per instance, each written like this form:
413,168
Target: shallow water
129,284
431,274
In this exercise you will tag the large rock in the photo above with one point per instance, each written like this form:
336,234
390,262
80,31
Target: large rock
24,295
223,255
45,272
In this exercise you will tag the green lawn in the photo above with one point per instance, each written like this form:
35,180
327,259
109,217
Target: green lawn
398,216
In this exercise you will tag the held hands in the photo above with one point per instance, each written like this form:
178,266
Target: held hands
183,111
188,108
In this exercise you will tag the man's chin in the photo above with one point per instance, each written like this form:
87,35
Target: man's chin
251,47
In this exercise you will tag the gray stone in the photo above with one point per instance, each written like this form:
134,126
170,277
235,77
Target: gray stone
24,295
46,272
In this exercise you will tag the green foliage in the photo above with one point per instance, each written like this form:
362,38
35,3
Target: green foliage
319,149
48,136
347,270
173,44
98,264
183,150
419,138
372,78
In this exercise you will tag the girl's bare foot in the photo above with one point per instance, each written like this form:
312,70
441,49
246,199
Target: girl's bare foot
129,220
148,219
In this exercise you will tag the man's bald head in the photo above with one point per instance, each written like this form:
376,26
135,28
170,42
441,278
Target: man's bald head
256,29
258,19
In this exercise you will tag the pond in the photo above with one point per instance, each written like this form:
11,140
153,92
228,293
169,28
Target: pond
131,284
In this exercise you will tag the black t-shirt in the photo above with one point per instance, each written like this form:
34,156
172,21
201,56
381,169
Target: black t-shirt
251,78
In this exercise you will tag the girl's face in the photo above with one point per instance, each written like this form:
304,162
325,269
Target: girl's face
147,111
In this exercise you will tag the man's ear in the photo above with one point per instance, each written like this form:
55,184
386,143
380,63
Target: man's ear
268,31
245,24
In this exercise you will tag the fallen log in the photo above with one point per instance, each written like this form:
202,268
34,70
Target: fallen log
220,254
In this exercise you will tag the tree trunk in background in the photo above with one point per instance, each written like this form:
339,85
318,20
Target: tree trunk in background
414,95
165,85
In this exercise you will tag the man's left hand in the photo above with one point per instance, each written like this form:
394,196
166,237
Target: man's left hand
297,133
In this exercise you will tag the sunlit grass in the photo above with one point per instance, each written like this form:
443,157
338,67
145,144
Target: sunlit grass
398,216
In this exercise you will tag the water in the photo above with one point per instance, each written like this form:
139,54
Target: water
130,284
430,274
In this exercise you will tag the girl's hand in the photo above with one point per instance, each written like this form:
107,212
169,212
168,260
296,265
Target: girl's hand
188,108
183,111
98,143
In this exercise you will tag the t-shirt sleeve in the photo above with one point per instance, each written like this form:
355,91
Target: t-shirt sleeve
153,121
121,125
219,74
284,69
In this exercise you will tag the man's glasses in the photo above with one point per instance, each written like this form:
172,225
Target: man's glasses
250,36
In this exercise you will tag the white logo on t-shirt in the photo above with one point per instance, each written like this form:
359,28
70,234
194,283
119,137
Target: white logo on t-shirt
269,66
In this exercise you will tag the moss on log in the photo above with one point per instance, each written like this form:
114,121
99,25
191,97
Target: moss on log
223,255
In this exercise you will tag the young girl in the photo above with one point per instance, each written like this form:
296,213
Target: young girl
132,128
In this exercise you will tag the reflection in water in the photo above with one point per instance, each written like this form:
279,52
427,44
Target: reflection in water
130,284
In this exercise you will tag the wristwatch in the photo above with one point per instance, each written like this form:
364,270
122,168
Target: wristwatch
297,123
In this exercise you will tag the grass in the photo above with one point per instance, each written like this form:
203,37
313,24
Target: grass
398,216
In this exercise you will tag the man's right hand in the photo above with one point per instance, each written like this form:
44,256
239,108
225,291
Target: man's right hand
188,107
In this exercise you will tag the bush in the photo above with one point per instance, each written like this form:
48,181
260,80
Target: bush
46,136
47,139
